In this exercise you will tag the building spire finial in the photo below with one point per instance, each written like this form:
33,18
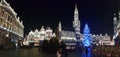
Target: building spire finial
60,27
75,6
76,12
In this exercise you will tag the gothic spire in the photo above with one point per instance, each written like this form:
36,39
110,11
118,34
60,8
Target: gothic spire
60,27
76,22
76,12
76,9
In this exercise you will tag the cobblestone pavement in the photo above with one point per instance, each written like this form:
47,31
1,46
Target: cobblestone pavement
34,52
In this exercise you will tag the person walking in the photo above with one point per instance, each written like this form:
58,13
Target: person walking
59,53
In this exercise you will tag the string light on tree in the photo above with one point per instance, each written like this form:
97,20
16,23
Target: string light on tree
86,37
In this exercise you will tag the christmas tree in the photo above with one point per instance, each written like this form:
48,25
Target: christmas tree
86,37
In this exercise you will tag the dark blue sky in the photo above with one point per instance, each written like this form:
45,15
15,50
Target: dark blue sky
97,13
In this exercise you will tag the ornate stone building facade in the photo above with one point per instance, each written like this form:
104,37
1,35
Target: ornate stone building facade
70,35
102,39
11,28
39,35
116,23
74,35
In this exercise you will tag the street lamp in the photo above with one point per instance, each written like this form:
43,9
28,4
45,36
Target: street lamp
7,35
